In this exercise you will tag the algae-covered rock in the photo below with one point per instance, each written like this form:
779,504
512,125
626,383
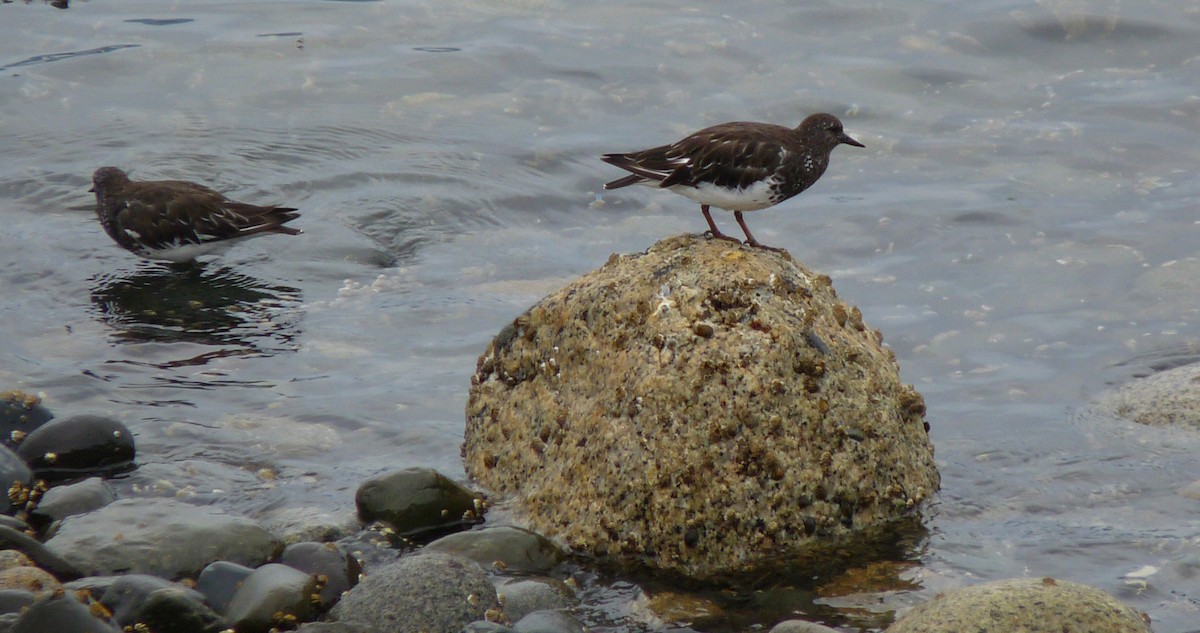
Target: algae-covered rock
1029,605
701,408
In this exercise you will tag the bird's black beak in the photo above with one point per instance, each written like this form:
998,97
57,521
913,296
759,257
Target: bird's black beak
843,138
92,190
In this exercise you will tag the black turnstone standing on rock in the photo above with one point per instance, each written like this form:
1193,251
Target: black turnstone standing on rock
737,166
176,220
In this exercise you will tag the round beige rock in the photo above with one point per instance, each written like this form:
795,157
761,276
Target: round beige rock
1168,398
1028,605
701,408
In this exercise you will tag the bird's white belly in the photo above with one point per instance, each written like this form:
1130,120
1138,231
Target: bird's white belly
756,196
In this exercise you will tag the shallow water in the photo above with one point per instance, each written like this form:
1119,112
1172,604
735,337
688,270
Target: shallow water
1017,228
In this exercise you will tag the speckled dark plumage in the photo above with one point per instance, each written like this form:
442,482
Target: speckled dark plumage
176,220
738,166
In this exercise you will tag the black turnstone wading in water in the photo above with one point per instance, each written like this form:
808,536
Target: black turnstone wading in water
176,220
737,166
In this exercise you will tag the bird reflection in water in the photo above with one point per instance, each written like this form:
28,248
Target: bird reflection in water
212,306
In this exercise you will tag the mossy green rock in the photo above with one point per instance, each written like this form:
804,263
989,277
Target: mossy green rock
701,408
1028,605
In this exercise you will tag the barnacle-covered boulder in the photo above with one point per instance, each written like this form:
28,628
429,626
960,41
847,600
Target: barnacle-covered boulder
701,408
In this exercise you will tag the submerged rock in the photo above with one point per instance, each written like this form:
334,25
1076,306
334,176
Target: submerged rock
1169,398
504,547
522,596
1029,605
700,408
61,502
160,537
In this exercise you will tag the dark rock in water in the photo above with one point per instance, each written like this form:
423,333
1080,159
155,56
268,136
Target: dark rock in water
522,596
339,569
219,581
416,501
549,622
426,592
159,604
20,414
61,502
161,537
701,409
60,614
13,600
78,446
13,471
505,547
175,609
273,596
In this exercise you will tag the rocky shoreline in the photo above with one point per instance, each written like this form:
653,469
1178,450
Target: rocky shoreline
697,413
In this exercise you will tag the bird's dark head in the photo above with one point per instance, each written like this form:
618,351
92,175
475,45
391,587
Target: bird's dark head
825,130
108,178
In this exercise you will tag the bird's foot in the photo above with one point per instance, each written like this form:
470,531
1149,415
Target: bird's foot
721,236
757,244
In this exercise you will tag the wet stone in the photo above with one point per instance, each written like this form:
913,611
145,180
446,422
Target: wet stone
483,626
177,610
161,537
13,600
309,523
10,558
800,626
31,579
61,614
336,627
426,592
219,581
338,569
273,596
624,428
150,600
1030,605
37,552
124,595
1168,398
20,414
78,446
505,547
522,596
60,502
13,471
549,622
416,501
